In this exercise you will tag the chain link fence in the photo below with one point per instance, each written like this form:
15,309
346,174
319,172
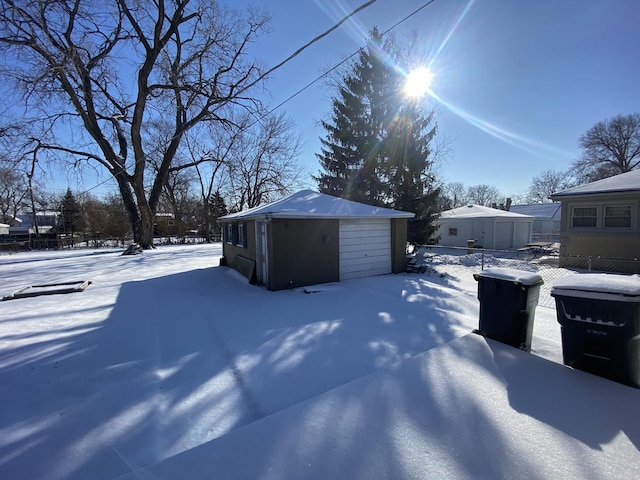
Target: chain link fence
461,263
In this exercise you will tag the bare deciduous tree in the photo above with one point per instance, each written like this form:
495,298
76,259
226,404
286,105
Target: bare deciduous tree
106,71
609,148
483,195
213,173
13,192
264,162
106,218
547,183
456,194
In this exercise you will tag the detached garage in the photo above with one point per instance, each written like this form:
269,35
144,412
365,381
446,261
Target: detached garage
310,238
488,227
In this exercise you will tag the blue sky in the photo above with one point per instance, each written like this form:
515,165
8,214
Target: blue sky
518,81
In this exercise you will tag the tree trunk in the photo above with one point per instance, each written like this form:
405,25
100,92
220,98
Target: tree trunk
206,217
132,210
145,234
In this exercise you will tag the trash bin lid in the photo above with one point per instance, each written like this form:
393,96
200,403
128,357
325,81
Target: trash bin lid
604,286
511,275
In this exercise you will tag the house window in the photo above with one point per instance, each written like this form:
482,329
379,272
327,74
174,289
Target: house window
584,217
229,233
241,235
453,232
617,216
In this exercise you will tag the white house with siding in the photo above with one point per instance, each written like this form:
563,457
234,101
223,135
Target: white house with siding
487,227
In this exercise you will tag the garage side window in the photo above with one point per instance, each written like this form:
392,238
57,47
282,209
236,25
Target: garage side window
228,233
241,242
453,232
584,217
617,216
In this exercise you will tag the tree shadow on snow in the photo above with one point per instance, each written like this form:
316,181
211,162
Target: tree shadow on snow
186,358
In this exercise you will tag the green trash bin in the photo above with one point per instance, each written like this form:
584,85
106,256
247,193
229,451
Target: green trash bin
599,315
508,299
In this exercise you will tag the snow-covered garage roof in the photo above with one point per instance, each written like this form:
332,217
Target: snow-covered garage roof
538,210
478,211
310,204
625,182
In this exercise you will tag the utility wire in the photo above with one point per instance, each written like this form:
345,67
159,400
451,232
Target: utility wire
319,37
339,64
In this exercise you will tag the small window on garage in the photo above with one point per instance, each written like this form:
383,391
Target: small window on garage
617,216
229,233
584,217
241,235
453,232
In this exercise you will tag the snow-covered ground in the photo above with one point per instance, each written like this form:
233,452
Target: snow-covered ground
166,351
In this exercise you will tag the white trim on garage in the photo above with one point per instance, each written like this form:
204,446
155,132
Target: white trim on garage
365,247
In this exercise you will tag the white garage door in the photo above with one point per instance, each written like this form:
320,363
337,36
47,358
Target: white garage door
365,247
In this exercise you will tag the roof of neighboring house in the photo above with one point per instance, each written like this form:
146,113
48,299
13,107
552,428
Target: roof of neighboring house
625,182
310,204
538,210
478,211
4,225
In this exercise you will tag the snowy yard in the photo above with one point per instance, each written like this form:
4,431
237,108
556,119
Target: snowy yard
165,351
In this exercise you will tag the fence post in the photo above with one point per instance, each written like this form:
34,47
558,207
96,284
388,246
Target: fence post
589,262
482,262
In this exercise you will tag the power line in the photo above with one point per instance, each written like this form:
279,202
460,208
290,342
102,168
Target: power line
319,37
339,64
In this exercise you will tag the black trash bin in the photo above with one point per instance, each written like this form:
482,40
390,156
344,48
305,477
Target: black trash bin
599,315
508,299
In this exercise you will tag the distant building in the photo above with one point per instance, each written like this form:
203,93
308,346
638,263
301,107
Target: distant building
601,219
546,220
48,222
164,225
487,227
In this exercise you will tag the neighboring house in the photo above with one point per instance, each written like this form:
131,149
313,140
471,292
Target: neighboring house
48,218
164,224
546,220
310,238
48,222
487,227
15,222
4,229
601,219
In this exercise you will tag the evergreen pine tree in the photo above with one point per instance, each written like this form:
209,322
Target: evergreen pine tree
408,171
218,208
352,154
376,149
72,215
217,205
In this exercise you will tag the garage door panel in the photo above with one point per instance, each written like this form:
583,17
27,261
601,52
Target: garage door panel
359,247
354,272
365,248
373,253
364,262
352,234
369,238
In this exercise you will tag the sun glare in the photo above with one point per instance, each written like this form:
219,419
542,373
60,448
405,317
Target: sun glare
418,82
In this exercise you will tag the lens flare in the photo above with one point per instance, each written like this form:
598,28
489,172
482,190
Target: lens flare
418,82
